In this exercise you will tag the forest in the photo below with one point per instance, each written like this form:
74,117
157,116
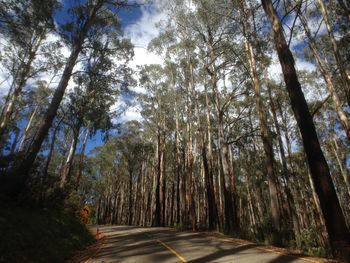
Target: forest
234,136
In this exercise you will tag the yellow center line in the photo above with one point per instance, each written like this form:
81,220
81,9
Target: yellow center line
172,251
182,259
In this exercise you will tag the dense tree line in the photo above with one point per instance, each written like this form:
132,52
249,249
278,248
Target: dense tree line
223,145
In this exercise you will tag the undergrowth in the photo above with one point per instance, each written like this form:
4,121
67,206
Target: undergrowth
39,235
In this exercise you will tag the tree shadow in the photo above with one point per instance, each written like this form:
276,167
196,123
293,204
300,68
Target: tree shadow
285,258
122,245
223,253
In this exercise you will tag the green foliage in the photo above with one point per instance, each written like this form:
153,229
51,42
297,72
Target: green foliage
29,235
309,243
180,226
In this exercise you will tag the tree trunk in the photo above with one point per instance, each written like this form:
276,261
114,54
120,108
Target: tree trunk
327,78
190,152
157,211
211,204
177,165
343,171
130,201
67,169
290,199
7,111
334,219
49,156
208,168
81,160
23,168
340,63
226,171
28,127
265,135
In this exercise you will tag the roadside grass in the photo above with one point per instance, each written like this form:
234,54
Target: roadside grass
33,235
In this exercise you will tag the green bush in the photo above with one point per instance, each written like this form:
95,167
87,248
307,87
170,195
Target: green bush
309,242
33,235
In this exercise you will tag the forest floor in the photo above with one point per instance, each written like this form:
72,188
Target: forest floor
140,244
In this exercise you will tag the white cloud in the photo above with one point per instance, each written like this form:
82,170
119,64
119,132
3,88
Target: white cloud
275,69
144,30
142,57
131,114
5,78
304,65
5,82
141,32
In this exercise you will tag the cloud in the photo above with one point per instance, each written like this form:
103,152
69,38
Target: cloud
5,82
304,65
141,32
315,23
131,114
142,57
5,76
275,69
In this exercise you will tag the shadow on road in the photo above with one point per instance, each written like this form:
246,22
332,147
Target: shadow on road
139,244
125,245
222,253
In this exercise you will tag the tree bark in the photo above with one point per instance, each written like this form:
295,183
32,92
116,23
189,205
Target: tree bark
28,127
81,160
130,199
265,133
327,78
292,205
343,171
52,147
157,211
334,219
67,168
177,165
23,168
190,153
7,111
340,63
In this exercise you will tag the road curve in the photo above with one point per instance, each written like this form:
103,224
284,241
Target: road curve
149,245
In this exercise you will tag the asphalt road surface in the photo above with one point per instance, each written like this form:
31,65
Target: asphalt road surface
151,245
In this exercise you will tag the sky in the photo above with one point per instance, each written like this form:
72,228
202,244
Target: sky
139,25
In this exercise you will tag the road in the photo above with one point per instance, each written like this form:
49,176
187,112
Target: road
143,245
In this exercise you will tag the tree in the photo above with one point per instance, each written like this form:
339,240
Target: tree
265,132
338,232
89,18
25,27
327,76
96,90
156,109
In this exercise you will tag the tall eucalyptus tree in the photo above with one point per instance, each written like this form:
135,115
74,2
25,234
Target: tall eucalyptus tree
89,18
338,231
25,26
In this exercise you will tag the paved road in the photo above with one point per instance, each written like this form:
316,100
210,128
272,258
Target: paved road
143,245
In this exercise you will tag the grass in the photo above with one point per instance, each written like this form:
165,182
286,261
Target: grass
32,235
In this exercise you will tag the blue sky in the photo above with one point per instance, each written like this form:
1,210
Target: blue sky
138,24
128,16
